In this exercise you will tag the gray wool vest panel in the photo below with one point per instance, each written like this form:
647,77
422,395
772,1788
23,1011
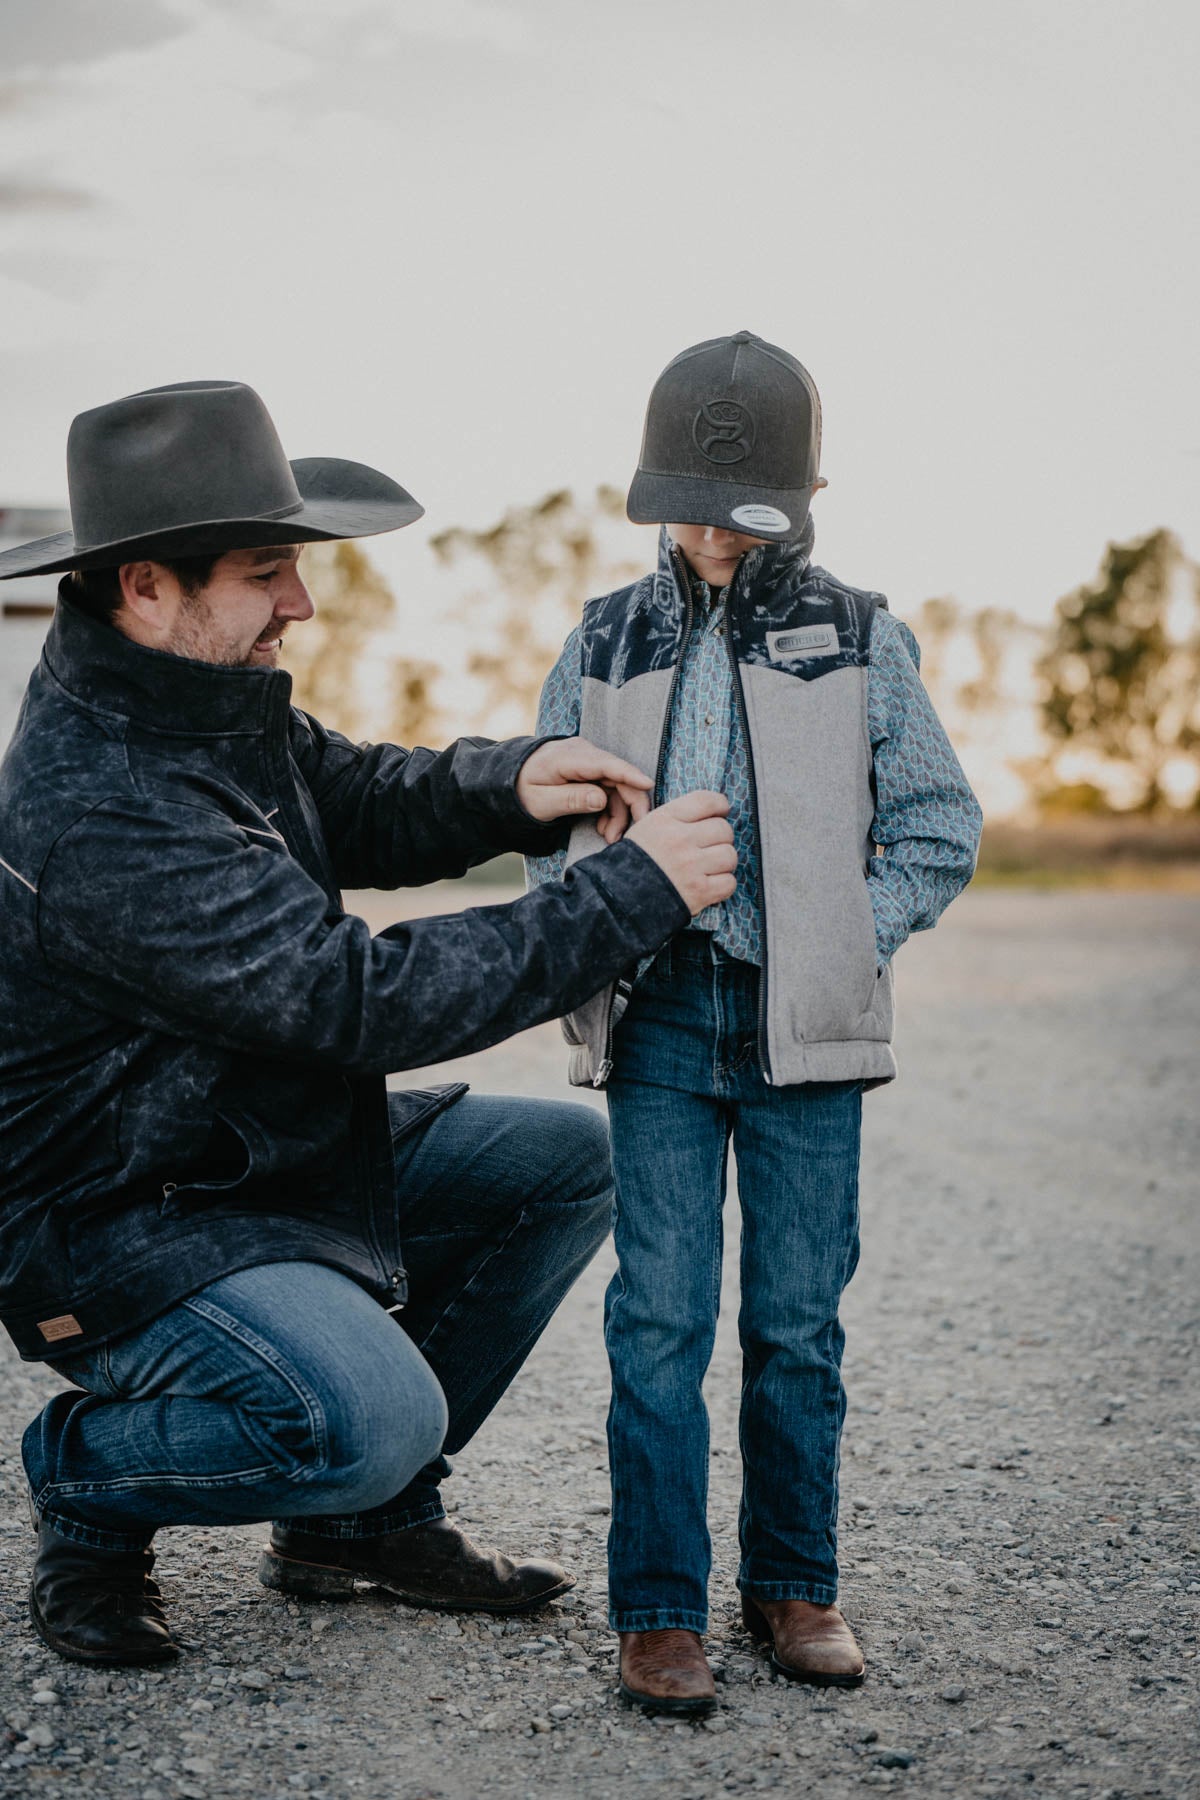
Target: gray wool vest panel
800,651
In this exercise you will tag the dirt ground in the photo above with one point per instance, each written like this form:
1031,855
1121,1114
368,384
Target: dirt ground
1020,1536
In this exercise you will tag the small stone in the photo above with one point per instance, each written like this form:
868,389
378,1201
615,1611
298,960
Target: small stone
197,1765
46,1697
562,1710
716,1724
539,1724
491,1721
254,1678
894,1759
1136,1636
912,1644
41,1735
295,1672
953,1696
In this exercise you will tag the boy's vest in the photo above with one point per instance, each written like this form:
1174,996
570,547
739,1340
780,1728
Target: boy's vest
799,647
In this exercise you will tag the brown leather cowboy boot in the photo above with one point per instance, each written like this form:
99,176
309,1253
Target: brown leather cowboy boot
666,1671
810,1643
433,1565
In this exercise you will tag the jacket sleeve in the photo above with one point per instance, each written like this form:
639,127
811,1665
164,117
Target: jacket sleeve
927,820
559,713
168,916
400,818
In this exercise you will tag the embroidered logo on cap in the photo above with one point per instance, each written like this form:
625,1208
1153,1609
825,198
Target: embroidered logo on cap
723,431
760,518
808,640
66,1325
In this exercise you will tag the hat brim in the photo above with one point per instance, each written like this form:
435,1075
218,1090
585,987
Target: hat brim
338,500
691,500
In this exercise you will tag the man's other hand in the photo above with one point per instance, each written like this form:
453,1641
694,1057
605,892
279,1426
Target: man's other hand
569,775
691,840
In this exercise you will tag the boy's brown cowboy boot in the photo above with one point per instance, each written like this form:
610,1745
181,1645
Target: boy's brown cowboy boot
666,1671
810,1643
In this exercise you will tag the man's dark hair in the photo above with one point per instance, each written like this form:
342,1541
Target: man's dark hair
98,591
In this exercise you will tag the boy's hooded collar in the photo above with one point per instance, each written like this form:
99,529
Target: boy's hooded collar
762,567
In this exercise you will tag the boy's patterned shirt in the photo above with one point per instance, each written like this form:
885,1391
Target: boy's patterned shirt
924,810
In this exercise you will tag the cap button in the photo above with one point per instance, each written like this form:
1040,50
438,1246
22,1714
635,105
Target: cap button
742,337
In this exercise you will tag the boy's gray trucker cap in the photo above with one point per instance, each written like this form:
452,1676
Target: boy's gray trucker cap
733,438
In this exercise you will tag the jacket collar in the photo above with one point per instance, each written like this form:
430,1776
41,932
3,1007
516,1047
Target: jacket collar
101,667
764,568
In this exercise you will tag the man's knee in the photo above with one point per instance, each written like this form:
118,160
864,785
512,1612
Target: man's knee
384,1427
585,1157
355,1435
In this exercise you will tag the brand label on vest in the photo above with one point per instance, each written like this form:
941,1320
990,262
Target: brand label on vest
807,640
760,518
66,1325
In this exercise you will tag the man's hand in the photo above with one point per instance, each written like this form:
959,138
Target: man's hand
691,840
570,775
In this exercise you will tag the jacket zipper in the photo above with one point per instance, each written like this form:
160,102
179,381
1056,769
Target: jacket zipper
763,1056
606,1061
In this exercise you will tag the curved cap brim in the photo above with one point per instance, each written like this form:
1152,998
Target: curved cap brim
775,513
338,500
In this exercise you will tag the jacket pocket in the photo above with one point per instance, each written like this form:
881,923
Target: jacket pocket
229,1160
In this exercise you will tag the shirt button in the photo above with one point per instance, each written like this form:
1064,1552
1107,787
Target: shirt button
708,718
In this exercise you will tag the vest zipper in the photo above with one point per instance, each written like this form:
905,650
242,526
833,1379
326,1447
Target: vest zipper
606,1061
739,696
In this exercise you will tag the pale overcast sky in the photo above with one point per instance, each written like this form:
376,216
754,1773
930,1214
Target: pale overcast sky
459,238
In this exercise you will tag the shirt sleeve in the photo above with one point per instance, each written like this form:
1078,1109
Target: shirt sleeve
927,820
558,716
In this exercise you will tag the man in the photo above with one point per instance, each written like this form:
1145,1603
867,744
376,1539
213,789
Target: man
204,1186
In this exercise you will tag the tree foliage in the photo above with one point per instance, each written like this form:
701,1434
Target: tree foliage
333,656
541,562
1116,679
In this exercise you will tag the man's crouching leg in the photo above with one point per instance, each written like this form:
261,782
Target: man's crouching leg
283,1389
501,1204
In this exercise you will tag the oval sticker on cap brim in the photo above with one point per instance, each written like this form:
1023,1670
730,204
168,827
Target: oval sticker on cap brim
760,518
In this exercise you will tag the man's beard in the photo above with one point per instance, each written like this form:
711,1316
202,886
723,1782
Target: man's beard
198,637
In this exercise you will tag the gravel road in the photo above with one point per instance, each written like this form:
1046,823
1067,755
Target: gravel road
1020,1535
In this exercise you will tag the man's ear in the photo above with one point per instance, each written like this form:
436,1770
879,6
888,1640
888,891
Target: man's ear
149,596
139,583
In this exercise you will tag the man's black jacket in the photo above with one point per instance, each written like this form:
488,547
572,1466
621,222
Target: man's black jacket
193,1034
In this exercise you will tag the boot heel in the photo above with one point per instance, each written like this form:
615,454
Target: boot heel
308,1581
754,1622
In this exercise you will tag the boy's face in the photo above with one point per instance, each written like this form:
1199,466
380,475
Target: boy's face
712,551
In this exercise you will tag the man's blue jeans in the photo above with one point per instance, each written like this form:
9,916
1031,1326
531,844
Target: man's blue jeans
286,1391
686,1080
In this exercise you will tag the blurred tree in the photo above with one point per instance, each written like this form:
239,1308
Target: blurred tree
542,562
330,657
1117,680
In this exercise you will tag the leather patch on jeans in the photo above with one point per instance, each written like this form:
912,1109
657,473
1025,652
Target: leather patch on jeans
66,1325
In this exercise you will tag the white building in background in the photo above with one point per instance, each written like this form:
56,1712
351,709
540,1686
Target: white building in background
26,607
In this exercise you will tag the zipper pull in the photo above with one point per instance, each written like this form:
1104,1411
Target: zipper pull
399,1279
602,1073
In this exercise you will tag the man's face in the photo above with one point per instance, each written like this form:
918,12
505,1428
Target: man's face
712,551
239,617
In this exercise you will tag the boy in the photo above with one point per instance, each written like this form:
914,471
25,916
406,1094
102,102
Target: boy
741,667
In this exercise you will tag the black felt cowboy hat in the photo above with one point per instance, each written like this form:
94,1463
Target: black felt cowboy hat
195,469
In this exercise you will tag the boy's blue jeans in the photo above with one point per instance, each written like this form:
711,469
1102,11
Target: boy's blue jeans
286,1391
686,1080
